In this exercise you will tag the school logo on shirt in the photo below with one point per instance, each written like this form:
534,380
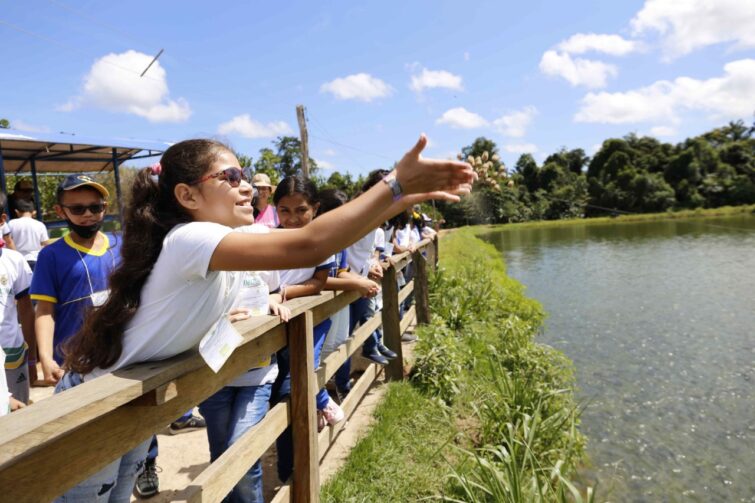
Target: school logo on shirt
3,279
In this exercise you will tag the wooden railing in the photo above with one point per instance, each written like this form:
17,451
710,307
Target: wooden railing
52,445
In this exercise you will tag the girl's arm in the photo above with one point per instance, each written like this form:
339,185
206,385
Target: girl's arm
349,281
420,179
312,286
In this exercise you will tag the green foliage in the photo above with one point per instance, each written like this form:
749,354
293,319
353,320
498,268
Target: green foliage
4,124
489,415
634,174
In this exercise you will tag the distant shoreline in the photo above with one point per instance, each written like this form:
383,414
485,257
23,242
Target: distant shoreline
722,211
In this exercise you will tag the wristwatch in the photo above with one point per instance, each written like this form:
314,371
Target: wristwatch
395,187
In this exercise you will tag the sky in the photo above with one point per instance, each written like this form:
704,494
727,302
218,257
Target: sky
532,76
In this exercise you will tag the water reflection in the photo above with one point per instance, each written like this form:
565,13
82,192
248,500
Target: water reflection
658,318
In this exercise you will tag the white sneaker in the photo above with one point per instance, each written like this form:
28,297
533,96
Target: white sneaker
332,412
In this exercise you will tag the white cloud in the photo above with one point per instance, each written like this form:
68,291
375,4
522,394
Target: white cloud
614,45
327,166
662,131
360,86
329,152
686,25
516,123
461,118
21,125
247,127
430,79
578,71
466,56
731,96
520,148
113,83
594,149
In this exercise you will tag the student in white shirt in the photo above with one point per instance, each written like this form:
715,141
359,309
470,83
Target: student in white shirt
29,234
176,279
18,341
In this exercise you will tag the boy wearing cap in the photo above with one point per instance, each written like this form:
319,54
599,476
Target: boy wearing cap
264,211
71,274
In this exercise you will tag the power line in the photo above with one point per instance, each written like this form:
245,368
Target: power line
66,46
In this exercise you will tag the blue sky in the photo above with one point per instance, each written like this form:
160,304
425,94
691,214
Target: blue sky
532,76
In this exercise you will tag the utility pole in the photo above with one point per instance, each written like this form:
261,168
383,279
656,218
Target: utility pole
304,140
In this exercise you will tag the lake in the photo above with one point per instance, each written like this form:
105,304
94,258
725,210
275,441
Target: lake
659,319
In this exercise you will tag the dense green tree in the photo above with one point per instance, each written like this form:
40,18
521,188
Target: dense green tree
289,157
4,124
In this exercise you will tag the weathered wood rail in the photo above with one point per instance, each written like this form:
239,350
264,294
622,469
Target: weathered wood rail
55,443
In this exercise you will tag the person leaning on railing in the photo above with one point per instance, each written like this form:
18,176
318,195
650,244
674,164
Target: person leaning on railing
176,280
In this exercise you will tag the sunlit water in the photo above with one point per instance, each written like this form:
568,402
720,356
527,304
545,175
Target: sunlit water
659,319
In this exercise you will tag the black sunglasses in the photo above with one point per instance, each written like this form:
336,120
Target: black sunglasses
231,175
80,209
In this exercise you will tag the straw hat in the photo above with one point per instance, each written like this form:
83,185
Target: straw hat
262,180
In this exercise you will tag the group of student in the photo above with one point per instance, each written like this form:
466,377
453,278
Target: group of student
195,255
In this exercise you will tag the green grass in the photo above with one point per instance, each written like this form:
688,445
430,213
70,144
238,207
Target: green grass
402,456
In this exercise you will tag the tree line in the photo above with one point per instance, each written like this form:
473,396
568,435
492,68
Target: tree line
633,174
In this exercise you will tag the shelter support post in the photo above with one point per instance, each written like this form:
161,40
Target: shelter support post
37,201
2,180
117,175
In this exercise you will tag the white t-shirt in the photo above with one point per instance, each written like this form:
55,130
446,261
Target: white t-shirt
290,277
15,280
181,299
379,239
28,235
359,254
266,373
403,236
4,394
5,230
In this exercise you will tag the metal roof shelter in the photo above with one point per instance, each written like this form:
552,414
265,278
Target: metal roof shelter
61,153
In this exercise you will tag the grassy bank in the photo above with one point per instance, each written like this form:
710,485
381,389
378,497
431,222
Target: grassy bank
723,211
488,415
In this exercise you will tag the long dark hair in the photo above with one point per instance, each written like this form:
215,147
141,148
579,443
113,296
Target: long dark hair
151,214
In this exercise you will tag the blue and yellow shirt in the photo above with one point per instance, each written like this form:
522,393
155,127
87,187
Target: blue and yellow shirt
69,276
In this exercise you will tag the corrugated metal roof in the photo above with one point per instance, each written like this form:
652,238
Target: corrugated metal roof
59,152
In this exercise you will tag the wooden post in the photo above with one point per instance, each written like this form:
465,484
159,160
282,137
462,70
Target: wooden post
420,287
306,482
304,140
392,324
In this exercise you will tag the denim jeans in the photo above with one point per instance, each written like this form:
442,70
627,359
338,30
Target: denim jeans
112,484
282,389
230,413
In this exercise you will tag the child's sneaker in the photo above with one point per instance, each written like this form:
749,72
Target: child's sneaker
147,483
191,424
332,412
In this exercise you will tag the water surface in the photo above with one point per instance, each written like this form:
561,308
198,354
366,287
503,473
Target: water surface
659,319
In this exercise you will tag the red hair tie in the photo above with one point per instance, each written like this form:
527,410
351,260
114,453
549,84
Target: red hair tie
156,169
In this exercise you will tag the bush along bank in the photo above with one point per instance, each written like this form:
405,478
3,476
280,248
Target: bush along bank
488,413
514,396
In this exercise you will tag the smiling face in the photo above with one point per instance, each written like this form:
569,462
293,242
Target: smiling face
215,199
295,211
263,195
